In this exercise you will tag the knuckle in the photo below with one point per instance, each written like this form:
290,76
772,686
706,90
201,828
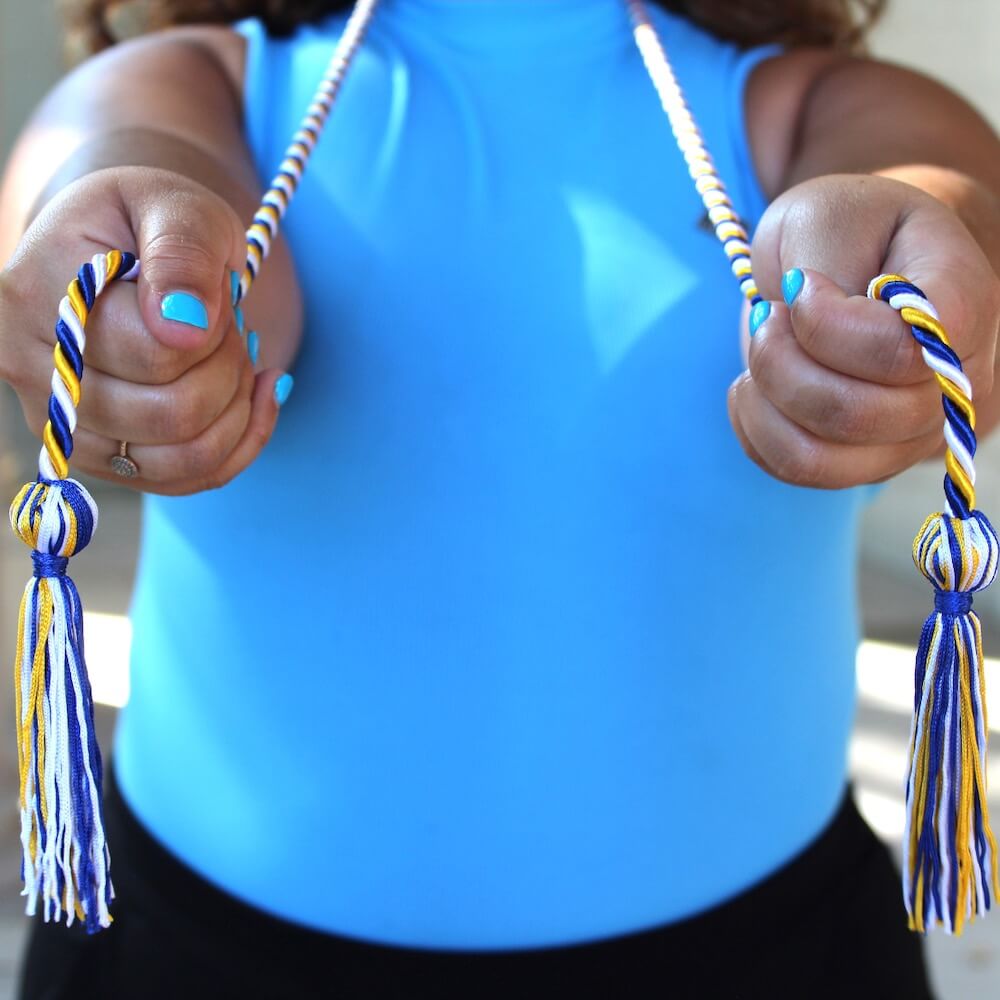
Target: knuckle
808,324
185,257
204,457
217,480
802,465
840,416
173,418
164,365
899,357
259,437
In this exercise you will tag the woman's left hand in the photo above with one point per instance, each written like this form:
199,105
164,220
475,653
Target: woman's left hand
836,393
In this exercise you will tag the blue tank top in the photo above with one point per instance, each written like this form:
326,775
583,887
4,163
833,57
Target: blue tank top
503,641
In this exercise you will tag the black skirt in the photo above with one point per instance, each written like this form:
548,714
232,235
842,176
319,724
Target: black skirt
829,924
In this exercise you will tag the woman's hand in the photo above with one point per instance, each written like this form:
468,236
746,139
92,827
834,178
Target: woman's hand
166,367
836,393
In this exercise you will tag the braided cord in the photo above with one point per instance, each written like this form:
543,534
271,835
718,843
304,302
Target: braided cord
729,227
274,204
960,415
90,281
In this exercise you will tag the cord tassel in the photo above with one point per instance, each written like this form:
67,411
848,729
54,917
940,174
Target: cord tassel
65,863
65,858
949,852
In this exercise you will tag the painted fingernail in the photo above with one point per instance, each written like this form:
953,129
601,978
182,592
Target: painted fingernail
239,319
758,314
253,346
791,284
283,389
180,307
234,286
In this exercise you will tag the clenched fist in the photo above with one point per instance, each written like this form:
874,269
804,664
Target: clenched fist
168,366
836,393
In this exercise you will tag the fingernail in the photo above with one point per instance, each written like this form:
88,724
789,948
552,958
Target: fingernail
253,346
791,284
239,319
180,307
234,286
283,389
758,314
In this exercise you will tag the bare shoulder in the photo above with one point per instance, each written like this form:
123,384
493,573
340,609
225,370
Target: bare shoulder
184,83
812,111
202,56
225,47
777,93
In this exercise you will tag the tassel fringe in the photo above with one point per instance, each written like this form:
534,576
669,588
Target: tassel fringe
949,851
66,865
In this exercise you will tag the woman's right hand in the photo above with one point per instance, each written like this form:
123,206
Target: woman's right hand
166,367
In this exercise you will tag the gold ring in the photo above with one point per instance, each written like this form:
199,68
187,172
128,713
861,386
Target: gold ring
124,465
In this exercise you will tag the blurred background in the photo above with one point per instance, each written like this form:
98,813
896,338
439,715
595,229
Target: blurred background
953,42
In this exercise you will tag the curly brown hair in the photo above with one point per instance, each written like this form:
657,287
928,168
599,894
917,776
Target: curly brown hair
93,25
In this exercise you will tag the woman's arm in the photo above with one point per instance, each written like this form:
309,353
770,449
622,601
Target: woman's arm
141,149
171,101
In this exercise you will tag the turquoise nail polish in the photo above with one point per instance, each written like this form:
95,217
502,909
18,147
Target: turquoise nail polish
239,319
758,314
283,389
253,346
234,286
180,307
791,284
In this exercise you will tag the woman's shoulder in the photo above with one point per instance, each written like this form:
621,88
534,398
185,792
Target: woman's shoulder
776,98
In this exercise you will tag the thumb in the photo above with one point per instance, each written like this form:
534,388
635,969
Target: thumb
852,334
189,240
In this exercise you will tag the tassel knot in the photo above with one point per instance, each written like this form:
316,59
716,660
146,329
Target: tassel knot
49,565
953,603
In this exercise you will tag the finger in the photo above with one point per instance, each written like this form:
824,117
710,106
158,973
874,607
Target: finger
189,241
271,391
829,404
161,464
868,339
794,455
212,460
121,345
173,413
852,334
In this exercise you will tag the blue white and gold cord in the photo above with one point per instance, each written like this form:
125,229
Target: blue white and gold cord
729,227
949,851
65,860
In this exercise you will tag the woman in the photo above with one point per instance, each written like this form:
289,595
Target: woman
431,698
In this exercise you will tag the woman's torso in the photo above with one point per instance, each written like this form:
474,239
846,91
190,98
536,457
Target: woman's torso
503,641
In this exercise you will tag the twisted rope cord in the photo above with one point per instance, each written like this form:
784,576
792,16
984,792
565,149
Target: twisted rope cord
66,863
90,281
274,204
960,415
57,437
729,227
950,872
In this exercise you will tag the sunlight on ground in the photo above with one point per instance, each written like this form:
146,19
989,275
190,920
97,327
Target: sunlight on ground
885,679
879,749
108,640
